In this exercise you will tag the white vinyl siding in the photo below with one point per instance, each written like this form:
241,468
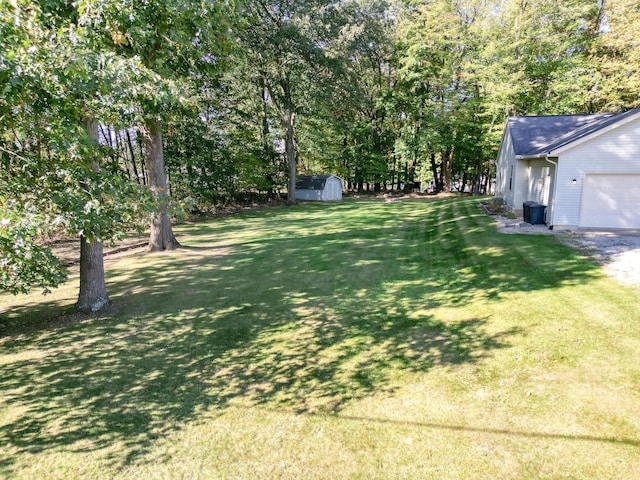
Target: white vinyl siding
505,165
616,151
520,185
307,194
540,181
512,176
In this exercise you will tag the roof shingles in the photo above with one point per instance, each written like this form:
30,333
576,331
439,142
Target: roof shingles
533,136
311,182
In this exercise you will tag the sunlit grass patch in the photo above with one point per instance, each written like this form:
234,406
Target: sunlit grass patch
356,340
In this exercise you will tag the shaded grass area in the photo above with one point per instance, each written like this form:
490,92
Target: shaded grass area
360,318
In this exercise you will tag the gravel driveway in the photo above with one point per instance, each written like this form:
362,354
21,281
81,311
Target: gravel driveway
618,253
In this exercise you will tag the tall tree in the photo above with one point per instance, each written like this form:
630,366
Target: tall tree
92,295
284,39
538,56
50,151
617,52
438,81
170,41
351,131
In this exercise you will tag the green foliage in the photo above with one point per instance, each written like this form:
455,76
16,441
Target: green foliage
25,263
99,205
197,164
616,51
353,126
51,179
166,44
41,199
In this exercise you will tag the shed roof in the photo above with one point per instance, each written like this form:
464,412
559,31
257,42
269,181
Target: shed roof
537,135
312,182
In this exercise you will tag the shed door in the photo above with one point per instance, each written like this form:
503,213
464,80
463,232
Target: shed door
332,189
610,201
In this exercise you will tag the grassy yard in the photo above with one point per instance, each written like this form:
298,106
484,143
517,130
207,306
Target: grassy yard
365,339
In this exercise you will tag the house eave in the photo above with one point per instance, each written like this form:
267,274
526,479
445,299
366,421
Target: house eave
537,156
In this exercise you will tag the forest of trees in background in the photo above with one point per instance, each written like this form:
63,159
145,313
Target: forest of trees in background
384,93
388,93
116,112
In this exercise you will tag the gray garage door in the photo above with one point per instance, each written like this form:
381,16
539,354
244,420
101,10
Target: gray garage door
611,201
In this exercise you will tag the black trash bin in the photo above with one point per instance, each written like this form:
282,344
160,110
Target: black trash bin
526,210
537,214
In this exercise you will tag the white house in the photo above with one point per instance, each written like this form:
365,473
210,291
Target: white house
322,188
584,168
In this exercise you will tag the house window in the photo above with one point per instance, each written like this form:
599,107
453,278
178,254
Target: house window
511,179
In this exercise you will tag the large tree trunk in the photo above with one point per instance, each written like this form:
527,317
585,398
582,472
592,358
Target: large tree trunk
161,237
292,158
447,168
434,171
93,290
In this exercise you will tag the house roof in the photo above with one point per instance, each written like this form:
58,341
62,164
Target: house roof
312,182
537,135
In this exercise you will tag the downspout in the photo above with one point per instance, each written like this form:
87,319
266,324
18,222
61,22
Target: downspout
555,183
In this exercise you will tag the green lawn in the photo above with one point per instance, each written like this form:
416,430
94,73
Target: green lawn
365,339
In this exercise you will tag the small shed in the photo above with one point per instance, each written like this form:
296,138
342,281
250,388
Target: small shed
320,188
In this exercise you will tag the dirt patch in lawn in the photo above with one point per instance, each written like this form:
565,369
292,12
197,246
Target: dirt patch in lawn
68,250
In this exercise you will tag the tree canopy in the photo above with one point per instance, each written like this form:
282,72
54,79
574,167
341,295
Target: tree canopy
204,103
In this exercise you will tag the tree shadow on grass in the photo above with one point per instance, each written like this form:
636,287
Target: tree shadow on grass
307,318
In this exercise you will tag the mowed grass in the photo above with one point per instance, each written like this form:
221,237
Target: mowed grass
364,339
